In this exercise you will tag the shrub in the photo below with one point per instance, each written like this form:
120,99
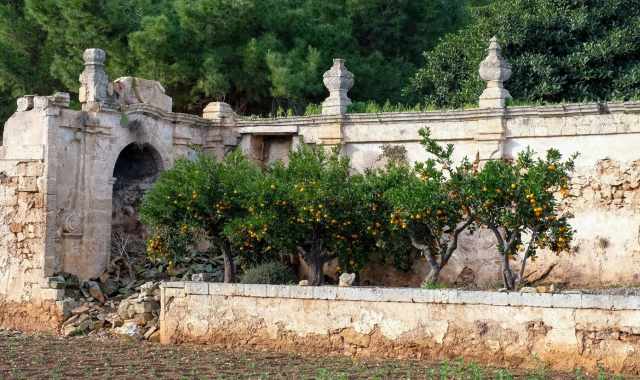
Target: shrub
313,207
203,195
519,201
428,203
274,273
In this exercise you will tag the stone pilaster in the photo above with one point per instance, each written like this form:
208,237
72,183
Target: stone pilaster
494,70
490,136
338,80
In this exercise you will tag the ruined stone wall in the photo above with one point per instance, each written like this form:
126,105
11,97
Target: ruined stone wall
57,168
565,331
26,301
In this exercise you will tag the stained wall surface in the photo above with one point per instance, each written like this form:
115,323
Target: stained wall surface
565,331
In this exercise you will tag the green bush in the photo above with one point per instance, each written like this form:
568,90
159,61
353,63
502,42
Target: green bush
273,273
202,196
559,50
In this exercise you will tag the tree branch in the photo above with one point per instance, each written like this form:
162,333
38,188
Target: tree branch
426,252
454,242
527,253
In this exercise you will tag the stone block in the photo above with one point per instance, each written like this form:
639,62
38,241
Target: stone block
30,168
597,301
422,295
172,284
566,300
358,294
504,298
255,290
278,291
396,295
15,227
536,299
28,184
196,288
626,302
229,289
301,292
173,292
475,297
52,294
325,292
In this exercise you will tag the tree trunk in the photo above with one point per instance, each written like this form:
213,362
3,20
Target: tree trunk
229,266
316,275
507,274
433,276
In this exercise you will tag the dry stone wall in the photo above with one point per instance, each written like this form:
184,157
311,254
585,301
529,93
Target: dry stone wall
565,331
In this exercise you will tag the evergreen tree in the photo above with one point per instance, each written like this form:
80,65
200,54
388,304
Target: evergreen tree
560,50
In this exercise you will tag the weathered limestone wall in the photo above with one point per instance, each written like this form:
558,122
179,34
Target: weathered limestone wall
57,170
565,331
605,186
26,214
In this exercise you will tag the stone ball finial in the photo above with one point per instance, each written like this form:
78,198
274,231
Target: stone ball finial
338,80
94,56
494,70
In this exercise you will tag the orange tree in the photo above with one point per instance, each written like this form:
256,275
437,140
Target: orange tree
430,203
198,195
519,201
311,206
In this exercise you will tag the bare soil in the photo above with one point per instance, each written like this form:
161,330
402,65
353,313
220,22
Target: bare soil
42,356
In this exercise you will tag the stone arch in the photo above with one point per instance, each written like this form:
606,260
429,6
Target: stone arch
135,170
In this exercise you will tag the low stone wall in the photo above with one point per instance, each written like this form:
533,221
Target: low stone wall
565,331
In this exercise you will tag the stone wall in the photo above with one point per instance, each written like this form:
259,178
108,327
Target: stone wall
59,170
26,300
565,331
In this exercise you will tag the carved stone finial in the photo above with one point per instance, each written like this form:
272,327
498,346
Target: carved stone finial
495,71
96,91
94,57
338,80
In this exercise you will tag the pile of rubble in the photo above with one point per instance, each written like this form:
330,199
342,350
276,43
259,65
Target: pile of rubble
100,308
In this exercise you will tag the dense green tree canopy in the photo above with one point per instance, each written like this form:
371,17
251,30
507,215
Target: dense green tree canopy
560,50
255,54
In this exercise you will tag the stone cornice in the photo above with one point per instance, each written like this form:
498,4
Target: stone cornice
411,295
574,109
288,125
174,117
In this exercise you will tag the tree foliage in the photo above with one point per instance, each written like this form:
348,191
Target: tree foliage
314,208
560,50
255,54
200,195
520,202
430,203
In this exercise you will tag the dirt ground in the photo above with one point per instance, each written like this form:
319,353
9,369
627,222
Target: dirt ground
41,356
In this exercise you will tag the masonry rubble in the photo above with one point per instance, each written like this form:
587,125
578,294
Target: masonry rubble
135,315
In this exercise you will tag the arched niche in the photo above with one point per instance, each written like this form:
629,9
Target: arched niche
136,169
